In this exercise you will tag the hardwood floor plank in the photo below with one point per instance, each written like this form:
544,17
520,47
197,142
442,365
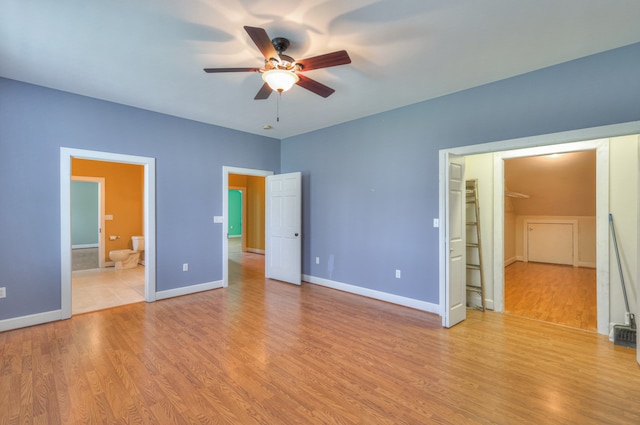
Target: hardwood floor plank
552,293
265,352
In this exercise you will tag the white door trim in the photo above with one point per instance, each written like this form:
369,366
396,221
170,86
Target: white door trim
66,154
101,239
614,130
226,170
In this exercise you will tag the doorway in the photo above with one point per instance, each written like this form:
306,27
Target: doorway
539,145
148,165
97,288
253,245
550,238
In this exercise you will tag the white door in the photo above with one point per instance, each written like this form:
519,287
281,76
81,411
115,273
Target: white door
550,243
283,256
456,290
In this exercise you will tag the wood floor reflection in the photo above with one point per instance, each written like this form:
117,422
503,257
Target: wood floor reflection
266,352
552,293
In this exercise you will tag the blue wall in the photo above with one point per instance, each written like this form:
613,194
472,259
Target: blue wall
371,185
35,122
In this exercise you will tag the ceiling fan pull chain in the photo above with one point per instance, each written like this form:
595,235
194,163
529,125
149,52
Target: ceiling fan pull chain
278,107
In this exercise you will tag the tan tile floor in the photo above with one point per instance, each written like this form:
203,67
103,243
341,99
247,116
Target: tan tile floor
97,289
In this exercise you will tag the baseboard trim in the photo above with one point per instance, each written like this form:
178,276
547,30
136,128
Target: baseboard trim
474,298
186,290
85,246
587,264
30,320
510,261
371,293
256,251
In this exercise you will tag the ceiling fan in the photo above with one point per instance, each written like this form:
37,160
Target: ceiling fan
281,72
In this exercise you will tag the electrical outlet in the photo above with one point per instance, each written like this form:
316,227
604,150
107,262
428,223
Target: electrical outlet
3,292
397,274
317,260
185,267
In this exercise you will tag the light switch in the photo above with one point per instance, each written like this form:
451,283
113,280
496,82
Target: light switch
217,218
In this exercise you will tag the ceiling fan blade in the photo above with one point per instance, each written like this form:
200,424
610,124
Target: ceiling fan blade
264,92
216,70
314,86
324,61
263,42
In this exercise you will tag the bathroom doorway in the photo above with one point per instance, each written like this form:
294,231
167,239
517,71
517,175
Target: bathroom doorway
97,288
94,289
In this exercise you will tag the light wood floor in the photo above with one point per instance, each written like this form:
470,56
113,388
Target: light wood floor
264,352
553,293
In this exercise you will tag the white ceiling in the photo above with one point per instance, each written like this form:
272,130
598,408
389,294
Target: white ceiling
150,53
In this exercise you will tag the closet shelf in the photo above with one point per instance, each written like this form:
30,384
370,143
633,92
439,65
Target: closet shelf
515,195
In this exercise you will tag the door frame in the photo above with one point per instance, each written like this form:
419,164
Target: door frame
550,140
101,239
226,170
149,197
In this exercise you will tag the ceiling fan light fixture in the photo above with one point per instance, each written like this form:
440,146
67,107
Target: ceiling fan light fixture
280,80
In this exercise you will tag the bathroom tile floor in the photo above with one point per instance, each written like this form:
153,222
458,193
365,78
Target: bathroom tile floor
97,289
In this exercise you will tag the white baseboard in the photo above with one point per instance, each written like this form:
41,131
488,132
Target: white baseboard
378,295
186,290
83,246
30,320
474,298
586,264
52,316
256,251
510,261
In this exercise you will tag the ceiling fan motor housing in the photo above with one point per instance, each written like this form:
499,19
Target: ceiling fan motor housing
281,44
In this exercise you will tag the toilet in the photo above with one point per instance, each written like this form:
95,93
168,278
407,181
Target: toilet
128,258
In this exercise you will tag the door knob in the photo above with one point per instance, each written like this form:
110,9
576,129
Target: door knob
296,234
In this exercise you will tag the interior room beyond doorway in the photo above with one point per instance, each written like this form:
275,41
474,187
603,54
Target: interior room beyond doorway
245,246
550,238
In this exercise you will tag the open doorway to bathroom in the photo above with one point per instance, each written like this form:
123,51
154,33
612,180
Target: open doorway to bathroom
97,280
128,215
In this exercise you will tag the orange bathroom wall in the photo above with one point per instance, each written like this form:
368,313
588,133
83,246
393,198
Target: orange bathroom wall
255,212
124,191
